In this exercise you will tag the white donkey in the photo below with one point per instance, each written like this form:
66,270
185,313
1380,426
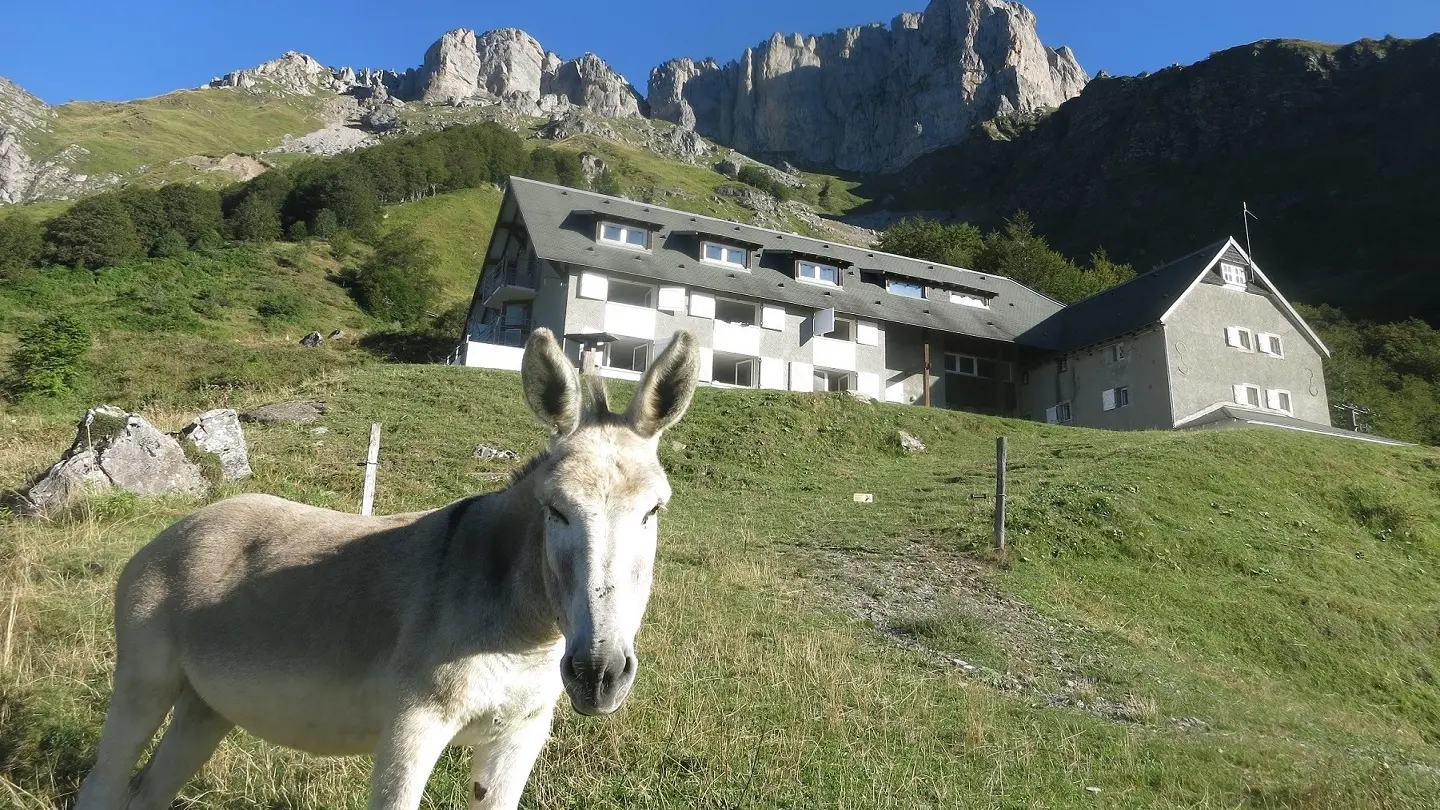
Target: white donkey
339,634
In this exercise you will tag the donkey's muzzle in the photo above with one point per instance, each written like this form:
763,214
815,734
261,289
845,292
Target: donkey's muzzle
598,684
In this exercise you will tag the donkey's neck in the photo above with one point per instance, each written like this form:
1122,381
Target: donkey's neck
495,562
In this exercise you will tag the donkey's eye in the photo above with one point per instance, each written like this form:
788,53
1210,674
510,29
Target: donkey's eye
648,515
557,514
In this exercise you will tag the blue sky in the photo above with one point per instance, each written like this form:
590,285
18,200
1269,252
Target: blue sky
106,50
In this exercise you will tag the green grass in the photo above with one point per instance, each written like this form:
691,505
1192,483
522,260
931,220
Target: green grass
459,226
1225,619
151,132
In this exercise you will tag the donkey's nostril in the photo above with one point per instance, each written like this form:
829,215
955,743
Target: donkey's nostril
630,664
567,668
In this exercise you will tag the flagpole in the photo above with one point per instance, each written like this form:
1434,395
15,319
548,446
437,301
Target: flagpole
1245,215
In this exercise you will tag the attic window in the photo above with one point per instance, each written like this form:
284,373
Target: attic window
909,289
624,236
1270,344
817,273
725,255
967,300
1233,274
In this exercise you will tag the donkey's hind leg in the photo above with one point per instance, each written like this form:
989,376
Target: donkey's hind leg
192,736
146,686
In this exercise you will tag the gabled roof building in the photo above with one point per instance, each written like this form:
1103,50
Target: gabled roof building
1207,334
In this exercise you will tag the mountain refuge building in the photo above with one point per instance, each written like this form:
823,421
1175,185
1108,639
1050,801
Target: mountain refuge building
1204,341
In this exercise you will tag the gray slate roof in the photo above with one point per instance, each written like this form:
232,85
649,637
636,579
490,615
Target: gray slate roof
1126,307
1234,416
561,220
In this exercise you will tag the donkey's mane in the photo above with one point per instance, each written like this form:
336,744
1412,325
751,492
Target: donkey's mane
536,461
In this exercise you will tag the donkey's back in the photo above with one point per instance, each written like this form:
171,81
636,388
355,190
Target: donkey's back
282,617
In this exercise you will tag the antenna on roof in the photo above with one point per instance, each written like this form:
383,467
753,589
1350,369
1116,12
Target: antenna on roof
1246,215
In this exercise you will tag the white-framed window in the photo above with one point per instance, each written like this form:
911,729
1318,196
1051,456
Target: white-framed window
627,354
909,289
628,292
1059,414
732,369
1278,399
828,380
1240,338
965,300
725,255
817,273
1270,344
844,330
1247,394
1117,352
1112,398
737,312
1233,274
968,366
629,236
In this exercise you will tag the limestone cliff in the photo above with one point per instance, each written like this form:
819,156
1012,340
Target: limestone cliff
506,66
872,98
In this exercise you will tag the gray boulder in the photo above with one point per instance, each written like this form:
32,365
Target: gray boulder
486,452
218,433
592,166
295,412
312,340
729,168
116,450
910,443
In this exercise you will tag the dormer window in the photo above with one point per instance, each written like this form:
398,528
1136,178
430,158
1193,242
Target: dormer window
965,300
624,236
817,273
909,289
725,255
1233,274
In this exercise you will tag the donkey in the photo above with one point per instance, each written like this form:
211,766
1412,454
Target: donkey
397,636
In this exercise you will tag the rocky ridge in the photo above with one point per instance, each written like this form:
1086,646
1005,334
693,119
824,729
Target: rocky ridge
871,98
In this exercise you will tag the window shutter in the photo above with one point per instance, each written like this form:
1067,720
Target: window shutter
702,305
772,373
707,364
1050,416
773,318
802,376
672,299
594,286
868,384
824,321
1107,399
895,392
1232,336
867,333
1272,399
1240,394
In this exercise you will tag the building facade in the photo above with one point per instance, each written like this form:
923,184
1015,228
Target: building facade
1205,335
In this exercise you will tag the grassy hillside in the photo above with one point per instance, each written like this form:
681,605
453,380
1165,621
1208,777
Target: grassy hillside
142,137
459,226
1236,619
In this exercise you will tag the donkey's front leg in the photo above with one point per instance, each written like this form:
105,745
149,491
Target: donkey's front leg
499,769
409,747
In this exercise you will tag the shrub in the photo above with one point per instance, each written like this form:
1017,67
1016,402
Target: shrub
764,180
299,231
96,232
192,211
172,243
325,224
21,244
47,361
281,306
256,220
397,282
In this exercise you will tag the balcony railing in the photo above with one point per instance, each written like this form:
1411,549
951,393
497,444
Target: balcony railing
517,276
503,334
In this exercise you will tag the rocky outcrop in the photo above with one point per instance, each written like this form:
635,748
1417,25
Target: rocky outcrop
218,433
871,98
116,450
506,66
20,113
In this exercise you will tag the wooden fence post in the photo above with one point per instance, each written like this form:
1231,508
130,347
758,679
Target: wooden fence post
372,460
1000,493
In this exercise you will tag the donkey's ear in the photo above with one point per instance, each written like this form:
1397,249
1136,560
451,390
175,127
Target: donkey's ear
664,392
551,388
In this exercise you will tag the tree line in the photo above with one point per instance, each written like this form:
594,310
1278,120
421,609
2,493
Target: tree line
316,197
1015,251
